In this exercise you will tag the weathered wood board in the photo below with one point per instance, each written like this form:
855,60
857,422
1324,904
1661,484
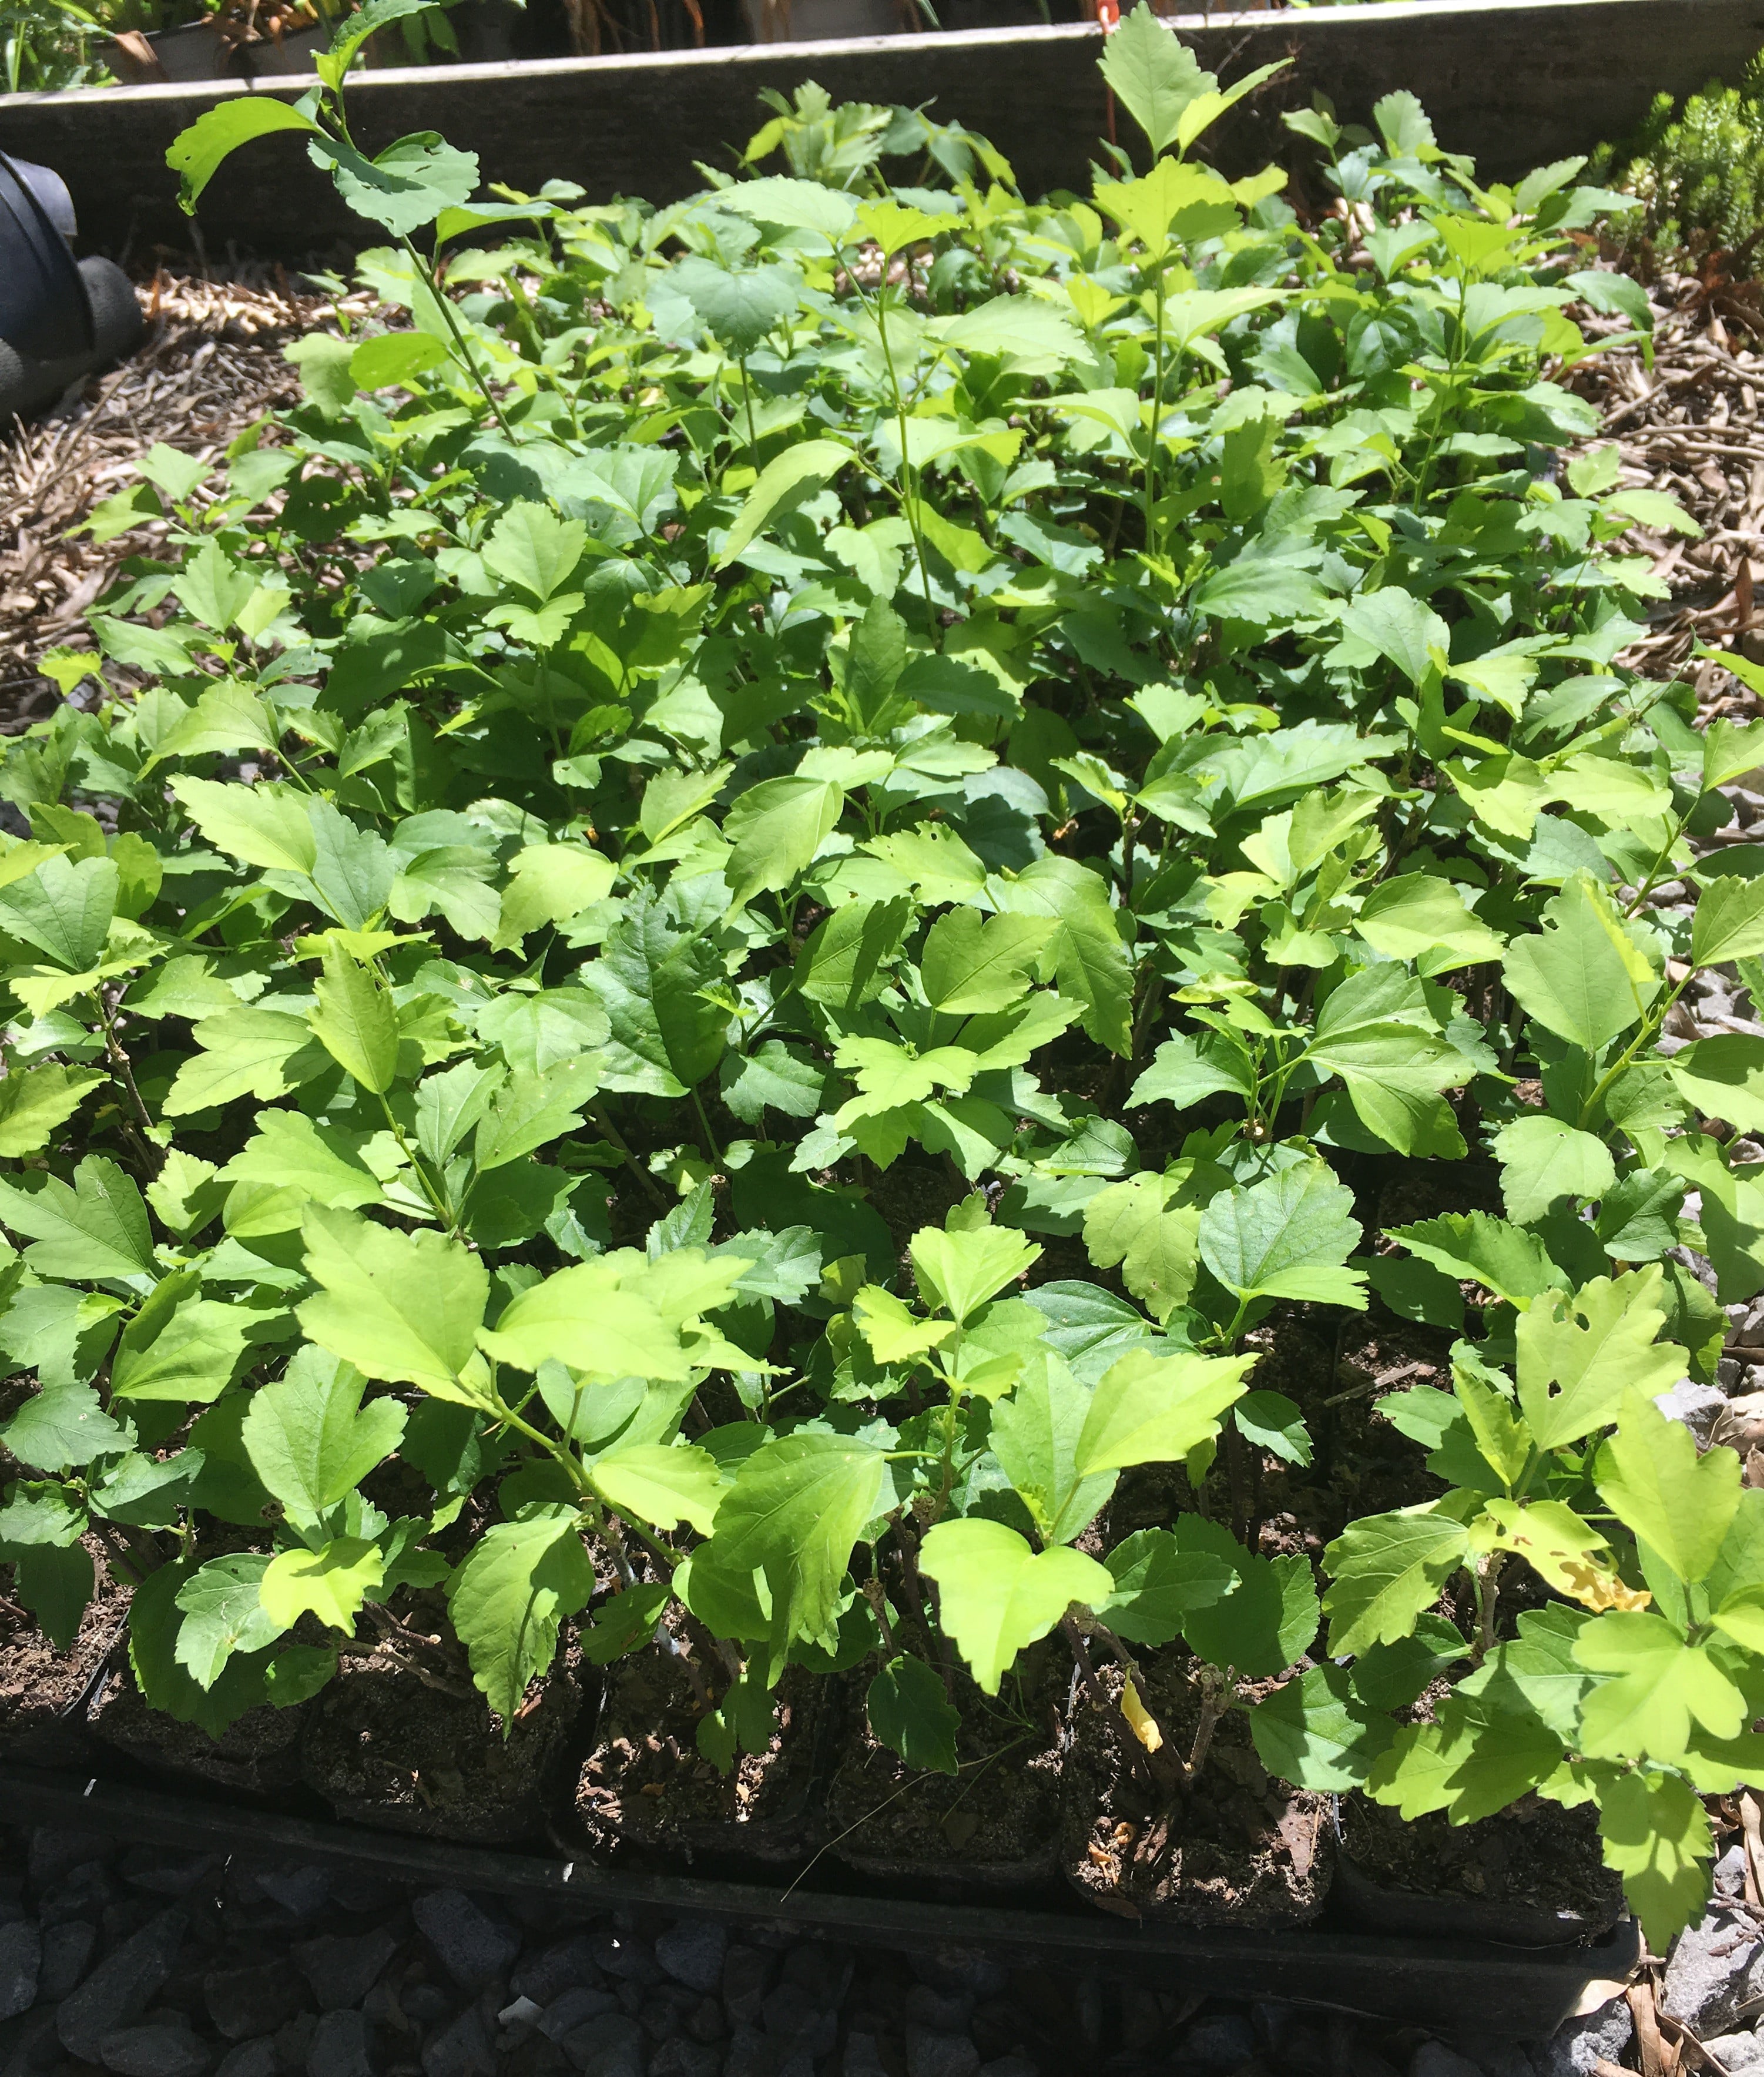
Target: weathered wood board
1517,86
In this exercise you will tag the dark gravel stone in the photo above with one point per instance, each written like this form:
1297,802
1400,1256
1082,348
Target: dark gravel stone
624,1955
164,1871
704,2021
822,1974
609,2046
67,1949
686,2058
472,1947
462,2049
301,1892
427,2003
121,1986
573,2008
250,2059
1009,2066
342,1970
943,2012
795,2015
291,2041
957,1969
85,1892
666,2009
246,2002
692,1952
21,1965
748,1973
154,2051
36,2046
752,2054
56,1851
340,2047
862,2057
1217,2042
931,2053
562,1966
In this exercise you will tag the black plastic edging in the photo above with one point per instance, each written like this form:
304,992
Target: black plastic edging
1469,1985
1518,83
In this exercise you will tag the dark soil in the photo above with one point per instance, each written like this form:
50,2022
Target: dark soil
995,1826
381,1746
646,1784
42,1689
1536,1857
1335,1370
1242,1848
258,1753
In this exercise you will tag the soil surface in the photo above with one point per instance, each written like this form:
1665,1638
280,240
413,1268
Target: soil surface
1241,1848
646,1782
381,1746
42,1689
1536,1857
993,1826
260,1753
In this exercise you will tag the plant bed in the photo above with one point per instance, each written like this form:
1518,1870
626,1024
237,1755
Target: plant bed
1532,1877
942,929
386,1749
988,1829
646,1784
636,123
1231,1845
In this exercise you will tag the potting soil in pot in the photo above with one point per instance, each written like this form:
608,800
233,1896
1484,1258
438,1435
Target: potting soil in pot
993,1826
381,1746
1237,1846
647,1783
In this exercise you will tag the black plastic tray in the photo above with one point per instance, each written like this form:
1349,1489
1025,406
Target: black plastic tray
1445,1985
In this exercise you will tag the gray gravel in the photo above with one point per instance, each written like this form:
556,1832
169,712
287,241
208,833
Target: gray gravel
148,1961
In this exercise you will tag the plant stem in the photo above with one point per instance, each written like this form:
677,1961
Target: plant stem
596,1110
443,303
712,1151
1487,1599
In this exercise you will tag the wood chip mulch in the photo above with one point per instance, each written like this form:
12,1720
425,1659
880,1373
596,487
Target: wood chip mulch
1690,426
210,366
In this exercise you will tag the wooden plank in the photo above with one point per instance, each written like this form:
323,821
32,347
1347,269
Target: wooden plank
1516,85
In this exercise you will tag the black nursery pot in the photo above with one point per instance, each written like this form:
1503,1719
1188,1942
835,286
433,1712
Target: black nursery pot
60,318
258,1755
1238,1847
1534,1877
645,1788
991,1831
383,1748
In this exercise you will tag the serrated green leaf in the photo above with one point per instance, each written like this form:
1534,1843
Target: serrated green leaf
1384,1569
310,1438
1287,1236
404,1307
511,1594
1651,1477
1154,1409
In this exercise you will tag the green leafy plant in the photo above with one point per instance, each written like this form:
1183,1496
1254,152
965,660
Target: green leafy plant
745,920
